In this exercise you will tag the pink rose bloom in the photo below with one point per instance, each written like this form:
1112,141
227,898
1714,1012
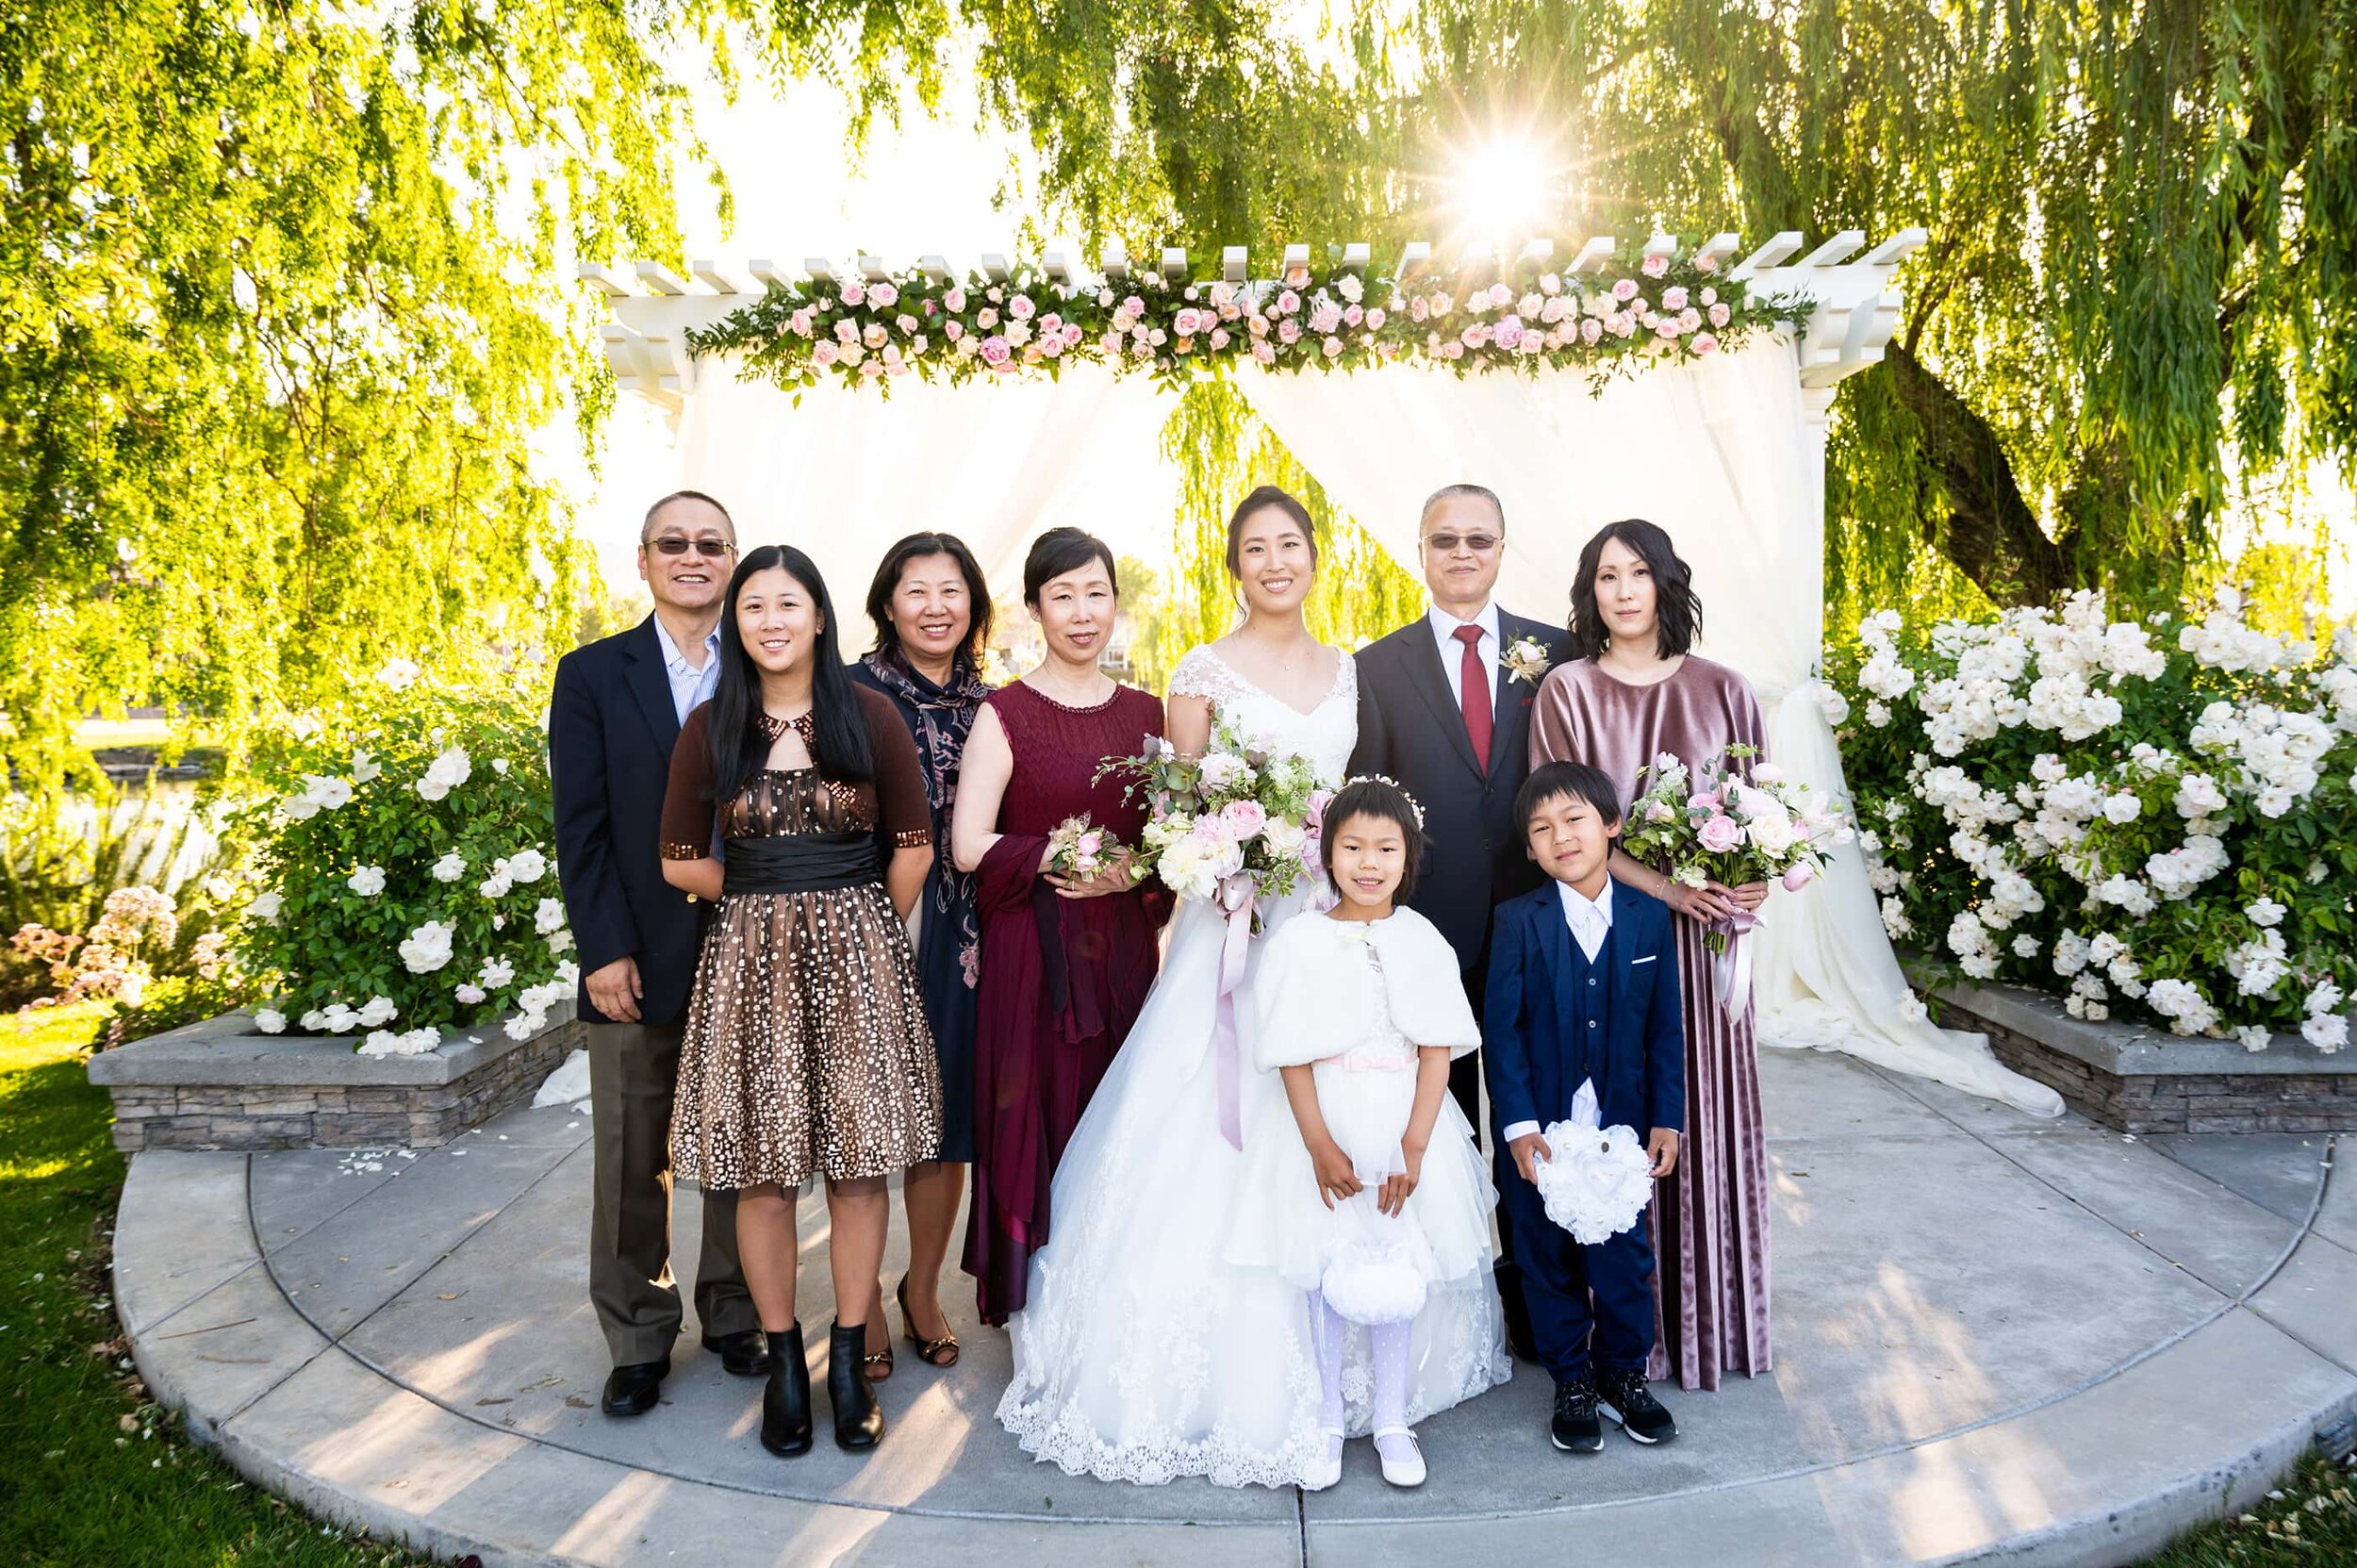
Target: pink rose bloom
1219,337
847,332
1624,325
1375,319
1688,319
1639,308
1720,833
1709,296
822,354
1289,331
1703,343
1500,295
1021,307
1331,347
875,337
1706,264
1134,306
1673,298
1051,325
1417,309
1262,352
1509,334
883,296
986,317
870,371
916,344
1798,875
1654,266
1051,347
853,294
954,299
1142,348
1110,344
1660,811
1223,294
1624,289
1353,316
897,367
1555,310
1532,344
1184,323
1315,820
1443,304
1324,318
1721,315
995,350
1452,352
1072,335
952,330
800,323
1589,330
907,323
1287,303
1664,328
1243,819
1474,336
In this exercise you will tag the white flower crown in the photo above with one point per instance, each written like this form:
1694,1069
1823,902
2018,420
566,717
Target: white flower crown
1384,779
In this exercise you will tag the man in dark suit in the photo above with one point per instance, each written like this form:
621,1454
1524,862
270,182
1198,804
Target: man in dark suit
1444,710
613,717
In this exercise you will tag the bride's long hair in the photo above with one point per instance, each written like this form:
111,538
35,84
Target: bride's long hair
1265,495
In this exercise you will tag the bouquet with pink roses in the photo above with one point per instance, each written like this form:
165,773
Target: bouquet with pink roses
1081,851
1732,820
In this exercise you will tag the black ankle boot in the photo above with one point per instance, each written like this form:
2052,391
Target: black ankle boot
858,1422
785,1402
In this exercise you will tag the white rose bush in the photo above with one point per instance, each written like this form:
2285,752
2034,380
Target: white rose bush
2155,816
406,868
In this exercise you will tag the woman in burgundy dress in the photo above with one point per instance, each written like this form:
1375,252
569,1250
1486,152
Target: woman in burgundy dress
1631,692
1066,965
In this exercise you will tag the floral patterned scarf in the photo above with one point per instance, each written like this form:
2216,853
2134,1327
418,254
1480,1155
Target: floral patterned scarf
945,716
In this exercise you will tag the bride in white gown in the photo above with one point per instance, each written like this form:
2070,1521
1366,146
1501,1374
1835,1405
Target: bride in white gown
1142,1355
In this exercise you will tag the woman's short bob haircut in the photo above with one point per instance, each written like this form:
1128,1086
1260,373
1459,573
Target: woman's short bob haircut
1678,614
916,547
1063,549
1385,802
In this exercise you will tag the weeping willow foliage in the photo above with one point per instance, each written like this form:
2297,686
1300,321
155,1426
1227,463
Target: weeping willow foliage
2137,295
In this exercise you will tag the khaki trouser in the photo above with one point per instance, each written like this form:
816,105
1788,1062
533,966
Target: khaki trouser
633,1069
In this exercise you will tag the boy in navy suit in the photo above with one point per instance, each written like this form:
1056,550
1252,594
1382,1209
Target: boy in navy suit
1583,988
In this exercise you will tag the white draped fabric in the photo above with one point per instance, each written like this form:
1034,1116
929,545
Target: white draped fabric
1719,453
842,472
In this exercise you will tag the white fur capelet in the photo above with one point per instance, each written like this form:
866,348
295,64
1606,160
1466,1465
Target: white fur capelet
1315,995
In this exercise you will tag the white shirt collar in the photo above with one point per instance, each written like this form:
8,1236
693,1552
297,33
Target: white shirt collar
1589,920
1445,624
676,661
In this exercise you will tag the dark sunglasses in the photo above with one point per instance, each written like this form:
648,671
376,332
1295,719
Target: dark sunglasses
673,544
1480,544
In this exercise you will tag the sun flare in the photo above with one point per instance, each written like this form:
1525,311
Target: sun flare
1505,189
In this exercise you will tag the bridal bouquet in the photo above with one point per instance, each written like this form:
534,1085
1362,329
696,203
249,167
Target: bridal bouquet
1735,821
1081,851
1235,825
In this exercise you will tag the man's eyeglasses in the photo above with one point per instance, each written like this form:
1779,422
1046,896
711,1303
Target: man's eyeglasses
673,544
1480,544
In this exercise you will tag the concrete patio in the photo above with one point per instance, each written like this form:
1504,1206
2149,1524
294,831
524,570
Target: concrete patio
1998,1339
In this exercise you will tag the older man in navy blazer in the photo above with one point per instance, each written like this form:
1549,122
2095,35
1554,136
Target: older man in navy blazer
613,718
1583,989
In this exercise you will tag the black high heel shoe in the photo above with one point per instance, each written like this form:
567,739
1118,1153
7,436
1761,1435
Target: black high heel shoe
932,1352
785,1401
859,1422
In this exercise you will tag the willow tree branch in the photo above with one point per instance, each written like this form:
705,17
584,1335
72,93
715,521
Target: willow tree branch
1991,534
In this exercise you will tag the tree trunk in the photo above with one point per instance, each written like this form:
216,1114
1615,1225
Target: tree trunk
1991,534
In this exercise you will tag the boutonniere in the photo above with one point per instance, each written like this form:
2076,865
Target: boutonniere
1525,659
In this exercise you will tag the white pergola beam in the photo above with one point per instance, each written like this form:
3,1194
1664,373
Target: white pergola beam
935,267
1770,255
873,269
1173,263
994,267
1232,261
1115,262
1717,249
1895,249
1663,245
1296,255
819,269
1058,272
1357,255
1594,253
660,279
604,280
766,272
1416,259
1836,251
715,277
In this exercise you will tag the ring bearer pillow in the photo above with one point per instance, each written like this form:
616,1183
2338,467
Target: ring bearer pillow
1598,1179
1355,999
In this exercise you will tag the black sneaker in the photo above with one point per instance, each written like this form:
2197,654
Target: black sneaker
1576,1428
1623,1395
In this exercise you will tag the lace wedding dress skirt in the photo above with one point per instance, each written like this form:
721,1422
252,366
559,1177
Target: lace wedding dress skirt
1143,1355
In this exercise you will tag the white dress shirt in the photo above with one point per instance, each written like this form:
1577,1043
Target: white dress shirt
690,687
1453,652
1591,921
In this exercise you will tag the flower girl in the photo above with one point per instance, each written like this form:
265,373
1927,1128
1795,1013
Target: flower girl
1365,1189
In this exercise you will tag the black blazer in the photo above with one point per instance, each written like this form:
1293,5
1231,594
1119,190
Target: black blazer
611,729
1410,730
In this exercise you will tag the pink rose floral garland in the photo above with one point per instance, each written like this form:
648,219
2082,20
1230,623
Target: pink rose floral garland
1668,310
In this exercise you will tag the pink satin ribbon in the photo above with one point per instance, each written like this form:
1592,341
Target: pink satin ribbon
1225,1047
1731,968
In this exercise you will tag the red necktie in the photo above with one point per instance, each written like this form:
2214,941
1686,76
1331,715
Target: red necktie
1472,695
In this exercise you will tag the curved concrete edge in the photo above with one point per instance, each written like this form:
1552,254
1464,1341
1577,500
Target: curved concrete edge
2105,1476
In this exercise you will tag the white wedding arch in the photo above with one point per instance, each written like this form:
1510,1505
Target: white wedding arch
1726,451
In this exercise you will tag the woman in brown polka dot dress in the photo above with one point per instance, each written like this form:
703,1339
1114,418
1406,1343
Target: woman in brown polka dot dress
806,1051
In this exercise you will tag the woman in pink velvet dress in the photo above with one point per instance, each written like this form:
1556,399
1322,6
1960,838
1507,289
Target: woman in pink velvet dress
1630,692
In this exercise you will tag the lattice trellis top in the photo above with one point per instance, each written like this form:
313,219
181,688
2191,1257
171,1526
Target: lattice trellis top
1856,308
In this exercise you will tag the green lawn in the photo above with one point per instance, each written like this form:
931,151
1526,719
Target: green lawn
91,1474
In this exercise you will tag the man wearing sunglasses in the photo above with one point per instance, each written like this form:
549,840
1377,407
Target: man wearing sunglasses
615,711
1444,710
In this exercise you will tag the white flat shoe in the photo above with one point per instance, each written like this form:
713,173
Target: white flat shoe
1402,1460
1328,1469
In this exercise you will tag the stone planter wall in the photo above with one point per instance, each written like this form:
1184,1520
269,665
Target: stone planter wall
2141,1079
220,1085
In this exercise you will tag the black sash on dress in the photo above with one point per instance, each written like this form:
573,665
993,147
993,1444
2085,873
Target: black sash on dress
801,863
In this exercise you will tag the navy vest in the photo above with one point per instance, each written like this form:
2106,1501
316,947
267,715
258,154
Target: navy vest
1590,1020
